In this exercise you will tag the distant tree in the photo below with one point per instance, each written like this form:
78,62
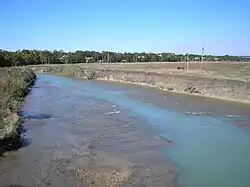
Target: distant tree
27,57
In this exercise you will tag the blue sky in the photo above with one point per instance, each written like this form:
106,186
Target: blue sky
222,26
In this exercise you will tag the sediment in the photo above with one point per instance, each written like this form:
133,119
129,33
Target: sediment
197,84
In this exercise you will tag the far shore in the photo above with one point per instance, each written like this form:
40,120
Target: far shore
177,91
225,80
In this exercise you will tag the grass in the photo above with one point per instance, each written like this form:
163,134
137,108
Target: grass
14,86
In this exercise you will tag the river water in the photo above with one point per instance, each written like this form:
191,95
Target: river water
72,125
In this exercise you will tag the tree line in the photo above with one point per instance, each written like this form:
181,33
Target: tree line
33,57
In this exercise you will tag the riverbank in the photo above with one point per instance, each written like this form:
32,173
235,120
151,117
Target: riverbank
223,89
14,86
227,84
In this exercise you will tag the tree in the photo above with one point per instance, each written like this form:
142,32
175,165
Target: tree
27,57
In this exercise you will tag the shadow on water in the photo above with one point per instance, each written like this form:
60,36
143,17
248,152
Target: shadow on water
28,115
16,143
19,141
38,116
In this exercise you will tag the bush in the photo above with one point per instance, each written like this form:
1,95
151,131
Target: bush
14,86
191,89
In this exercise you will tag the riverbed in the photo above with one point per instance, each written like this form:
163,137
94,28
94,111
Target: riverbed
96,133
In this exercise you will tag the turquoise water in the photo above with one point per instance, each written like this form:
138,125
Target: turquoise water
209,151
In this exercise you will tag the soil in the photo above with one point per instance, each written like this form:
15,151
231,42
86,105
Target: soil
221,80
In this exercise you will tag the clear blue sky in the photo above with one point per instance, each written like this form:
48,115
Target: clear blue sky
222,26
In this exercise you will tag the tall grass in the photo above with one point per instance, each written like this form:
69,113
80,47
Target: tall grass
14,86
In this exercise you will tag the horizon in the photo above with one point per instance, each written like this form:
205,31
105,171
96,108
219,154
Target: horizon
124,52
143,26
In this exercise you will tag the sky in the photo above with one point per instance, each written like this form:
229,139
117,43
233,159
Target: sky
178,26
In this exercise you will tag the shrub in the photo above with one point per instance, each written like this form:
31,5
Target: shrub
14,86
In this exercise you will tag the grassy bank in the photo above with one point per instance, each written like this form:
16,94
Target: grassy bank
14,86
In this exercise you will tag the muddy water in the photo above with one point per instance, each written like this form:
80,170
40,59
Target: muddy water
81,132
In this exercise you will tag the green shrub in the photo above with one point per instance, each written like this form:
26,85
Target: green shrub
14,86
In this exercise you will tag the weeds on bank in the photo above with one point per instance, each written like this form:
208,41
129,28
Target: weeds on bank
72,70
14,86
191,89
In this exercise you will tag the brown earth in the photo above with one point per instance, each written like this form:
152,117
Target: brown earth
222,80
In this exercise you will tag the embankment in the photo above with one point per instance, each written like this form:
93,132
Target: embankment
180,82
14,86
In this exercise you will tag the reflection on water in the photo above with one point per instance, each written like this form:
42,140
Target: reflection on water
210,139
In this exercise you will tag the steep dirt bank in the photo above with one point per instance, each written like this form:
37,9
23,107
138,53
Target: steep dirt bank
14,86
176,81
233,90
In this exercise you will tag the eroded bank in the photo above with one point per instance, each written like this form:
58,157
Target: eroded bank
175,81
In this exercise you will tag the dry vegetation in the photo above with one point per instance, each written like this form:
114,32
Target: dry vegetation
14,86
221,70
223,80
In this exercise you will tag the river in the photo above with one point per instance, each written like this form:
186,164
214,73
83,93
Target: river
77,132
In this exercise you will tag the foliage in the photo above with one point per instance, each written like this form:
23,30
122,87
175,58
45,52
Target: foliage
32,57
14,85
